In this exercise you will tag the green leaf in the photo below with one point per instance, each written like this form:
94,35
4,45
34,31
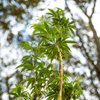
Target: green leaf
71,41
26,66
26,45
52,12
46,25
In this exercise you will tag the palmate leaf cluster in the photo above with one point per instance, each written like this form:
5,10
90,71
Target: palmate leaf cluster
52,32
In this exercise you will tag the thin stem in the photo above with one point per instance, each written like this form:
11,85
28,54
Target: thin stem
60,75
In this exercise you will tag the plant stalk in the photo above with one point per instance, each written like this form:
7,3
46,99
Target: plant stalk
60,75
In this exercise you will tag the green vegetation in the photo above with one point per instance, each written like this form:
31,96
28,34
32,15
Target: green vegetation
52,34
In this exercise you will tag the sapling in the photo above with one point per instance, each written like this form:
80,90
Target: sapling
52,34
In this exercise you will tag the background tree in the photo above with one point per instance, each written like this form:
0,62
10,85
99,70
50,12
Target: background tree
85,61
88,46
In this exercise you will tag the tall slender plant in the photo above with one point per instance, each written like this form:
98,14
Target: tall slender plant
51,33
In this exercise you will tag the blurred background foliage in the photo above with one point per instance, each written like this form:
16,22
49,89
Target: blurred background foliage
15,18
